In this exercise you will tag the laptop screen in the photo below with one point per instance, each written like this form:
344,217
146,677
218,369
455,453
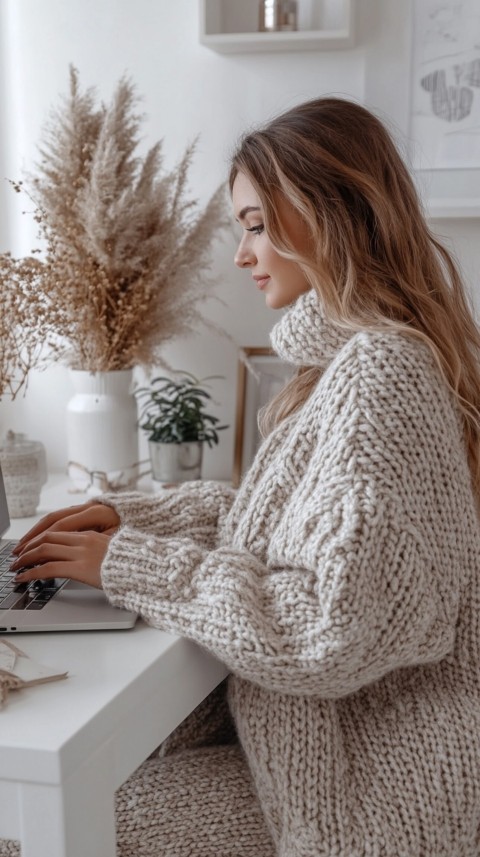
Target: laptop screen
4,516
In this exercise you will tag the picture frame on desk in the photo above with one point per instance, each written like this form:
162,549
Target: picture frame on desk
260,376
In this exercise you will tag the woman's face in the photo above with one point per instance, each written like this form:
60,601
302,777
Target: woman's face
281,280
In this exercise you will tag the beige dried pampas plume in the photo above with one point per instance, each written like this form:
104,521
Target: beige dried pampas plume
126,252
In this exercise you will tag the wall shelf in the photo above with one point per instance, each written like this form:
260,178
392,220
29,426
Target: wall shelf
227,26
448,209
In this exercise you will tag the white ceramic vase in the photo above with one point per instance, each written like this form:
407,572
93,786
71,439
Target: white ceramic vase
102,434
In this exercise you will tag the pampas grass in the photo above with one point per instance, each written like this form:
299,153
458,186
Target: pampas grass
126,252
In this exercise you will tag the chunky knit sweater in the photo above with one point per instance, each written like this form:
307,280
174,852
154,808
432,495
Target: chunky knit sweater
341,586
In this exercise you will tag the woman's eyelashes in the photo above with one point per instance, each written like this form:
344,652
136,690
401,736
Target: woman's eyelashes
257,230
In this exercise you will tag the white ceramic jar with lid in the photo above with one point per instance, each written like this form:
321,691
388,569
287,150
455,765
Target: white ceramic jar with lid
24,468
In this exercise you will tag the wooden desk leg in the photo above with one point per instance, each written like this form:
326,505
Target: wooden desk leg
75,819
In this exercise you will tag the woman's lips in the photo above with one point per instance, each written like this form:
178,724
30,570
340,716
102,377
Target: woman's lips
261,281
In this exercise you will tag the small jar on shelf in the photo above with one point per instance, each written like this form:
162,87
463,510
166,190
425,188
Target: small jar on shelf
277,16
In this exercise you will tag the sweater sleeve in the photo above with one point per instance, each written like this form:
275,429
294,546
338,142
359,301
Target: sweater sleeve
196,509
357,581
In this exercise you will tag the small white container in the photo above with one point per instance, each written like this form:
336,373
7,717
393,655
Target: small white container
24,468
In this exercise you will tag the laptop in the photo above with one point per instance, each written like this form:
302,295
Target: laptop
51,605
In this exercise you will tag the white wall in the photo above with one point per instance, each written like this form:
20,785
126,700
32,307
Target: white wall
187,90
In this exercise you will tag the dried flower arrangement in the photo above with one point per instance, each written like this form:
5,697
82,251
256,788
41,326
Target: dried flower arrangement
27,324
125,258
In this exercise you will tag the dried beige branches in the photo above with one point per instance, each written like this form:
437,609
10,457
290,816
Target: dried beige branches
126,253
27,323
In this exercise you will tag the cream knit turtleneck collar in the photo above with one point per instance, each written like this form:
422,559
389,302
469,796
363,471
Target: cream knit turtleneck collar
303,336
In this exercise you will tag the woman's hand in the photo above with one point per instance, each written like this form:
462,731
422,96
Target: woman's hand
77,556
89,516
71,543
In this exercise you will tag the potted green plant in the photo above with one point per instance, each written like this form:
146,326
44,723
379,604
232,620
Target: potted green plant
174,417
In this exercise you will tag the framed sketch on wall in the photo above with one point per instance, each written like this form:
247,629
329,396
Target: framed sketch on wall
261,375
445,104
420,59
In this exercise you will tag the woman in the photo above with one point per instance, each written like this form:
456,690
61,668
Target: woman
340,584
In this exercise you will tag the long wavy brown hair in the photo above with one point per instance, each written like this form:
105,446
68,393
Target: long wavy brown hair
372,257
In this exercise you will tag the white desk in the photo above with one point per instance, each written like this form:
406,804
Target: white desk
65,747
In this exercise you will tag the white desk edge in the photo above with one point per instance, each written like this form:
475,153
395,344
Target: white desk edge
125,692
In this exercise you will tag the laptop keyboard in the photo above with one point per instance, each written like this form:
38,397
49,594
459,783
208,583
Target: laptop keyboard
22,596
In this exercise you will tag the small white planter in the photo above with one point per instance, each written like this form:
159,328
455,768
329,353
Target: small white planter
176,462
102,435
